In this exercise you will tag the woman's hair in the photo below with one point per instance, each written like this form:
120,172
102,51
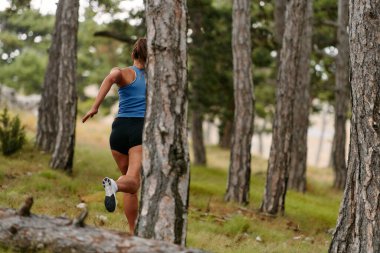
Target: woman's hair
139,51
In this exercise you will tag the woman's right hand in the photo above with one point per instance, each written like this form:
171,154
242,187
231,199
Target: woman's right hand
89,114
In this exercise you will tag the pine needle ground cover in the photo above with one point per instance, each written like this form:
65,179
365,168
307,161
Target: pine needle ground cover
213,225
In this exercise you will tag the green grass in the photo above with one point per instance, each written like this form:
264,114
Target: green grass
213,225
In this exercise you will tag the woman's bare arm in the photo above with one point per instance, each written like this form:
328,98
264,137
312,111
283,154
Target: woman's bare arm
113,77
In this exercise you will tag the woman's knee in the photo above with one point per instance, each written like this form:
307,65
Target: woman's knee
135,185
132,184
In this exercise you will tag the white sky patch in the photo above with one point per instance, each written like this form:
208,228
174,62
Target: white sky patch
4,4
49,7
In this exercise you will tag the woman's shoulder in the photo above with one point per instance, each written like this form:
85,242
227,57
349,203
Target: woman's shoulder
127,75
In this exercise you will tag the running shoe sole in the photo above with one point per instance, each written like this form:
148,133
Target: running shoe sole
110,198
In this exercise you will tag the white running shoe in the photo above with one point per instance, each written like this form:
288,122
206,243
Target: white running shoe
110,188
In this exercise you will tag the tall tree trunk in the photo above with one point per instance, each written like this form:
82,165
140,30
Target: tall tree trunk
47,125
292,62
165,183
240,161
198,73
225,135
67,96
358,225
298,161
279,20
197,138
341,97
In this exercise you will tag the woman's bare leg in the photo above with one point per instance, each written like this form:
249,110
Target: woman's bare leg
131,210
129,200
129,183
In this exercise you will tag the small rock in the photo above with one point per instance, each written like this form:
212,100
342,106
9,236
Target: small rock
102,219
81,205
298,237
309,239
258,238
29,173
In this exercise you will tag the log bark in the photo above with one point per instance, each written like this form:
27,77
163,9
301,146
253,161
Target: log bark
240,159
291,61
165,182
63,153
341,97
197,138
34,233
47,125
298,163
358,225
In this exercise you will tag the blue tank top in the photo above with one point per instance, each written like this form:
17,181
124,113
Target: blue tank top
132,97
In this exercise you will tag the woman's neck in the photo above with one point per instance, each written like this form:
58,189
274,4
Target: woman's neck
138,64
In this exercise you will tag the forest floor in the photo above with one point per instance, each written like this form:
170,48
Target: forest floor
214,225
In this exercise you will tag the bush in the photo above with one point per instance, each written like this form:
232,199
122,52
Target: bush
12,134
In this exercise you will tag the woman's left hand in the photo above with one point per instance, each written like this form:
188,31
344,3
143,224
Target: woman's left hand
90,114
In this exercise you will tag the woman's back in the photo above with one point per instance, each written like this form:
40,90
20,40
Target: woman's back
132,97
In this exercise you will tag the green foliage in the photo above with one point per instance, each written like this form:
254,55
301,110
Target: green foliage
324,36
26,72
12,134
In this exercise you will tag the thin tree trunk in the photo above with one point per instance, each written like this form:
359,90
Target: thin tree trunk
341,97
358,225
260,136
240,161
67,96
165,182
197,138
321,137
226,134
298,161
197,74
293,60
47,125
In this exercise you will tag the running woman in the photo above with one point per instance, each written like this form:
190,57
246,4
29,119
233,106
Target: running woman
127,129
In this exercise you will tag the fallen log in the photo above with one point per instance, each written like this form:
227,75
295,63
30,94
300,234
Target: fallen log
22,231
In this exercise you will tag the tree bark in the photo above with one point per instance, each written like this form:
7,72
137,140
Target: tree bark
34,233
279,20
341,97
292,62
240,160
298,161
47,125
197,74
226,134
165,183
358,225
197,138
67,96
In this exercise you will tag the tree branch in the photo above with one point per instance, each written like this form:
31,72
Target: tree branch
115,36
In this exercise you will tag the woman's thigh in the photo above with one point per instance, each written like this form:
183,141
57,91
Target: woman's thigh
122,161
135,162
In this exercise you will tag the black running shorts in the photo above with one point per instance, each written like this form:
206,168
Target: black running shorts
126,133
